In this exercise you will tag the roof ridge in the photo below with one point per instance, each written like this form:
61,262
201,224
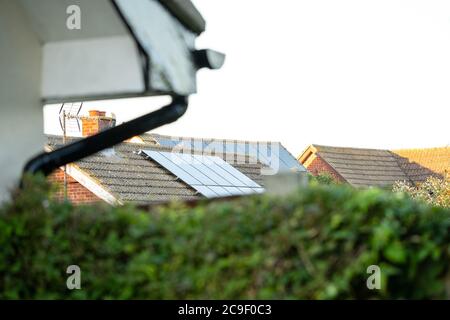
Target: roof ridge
213,139
318,146
421,149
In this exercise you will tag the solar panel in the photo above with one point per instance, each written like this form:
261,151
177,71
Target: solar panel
288,162
211,176
206,191
273,155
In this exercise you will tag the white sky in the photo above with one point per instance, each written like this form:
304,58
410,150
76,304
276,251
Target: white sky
347,73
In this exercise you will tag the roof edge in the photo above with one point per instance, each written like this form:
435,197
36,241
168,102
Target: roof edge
420,149
310,150
89,182
208,139
92,184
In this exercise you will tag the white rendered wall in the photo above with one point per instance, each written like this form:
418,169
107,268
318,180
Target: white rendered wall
21,121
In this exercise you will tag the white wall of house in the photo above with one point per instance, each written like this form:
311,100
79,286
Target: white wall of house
21,120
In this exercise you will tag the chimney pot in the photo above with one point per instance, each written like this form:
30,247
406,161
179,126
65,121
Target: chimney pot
96,113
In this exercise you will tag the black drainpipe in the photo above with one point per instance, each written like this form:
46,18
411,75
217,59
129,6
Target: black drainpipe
48,161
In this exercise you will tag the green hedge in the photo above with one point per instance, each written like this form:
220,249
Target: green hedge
314,244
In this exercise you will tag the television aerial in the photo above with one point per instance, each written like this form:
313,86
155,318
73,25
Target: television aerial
69,118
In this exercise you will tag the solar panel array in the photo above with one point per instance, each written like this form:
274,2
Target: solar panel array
209,175
273,155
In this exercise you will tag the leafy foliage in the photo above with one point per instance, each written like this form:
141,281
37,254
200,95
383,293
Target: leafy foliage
324,178
435,190
314,244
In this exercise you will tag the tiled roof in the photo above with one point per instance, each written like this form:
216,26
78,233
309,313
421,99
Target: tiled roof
363,167
419,164
132,178
375,167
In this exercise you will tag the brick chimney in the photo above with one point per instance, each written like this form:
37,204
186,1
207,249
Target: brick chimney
96,122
